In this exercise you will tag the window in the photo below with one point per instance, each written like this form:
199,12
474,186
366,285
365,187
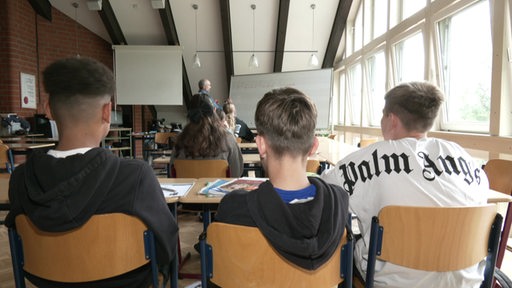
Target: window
410,59
409,7
358,30
354,94
380,17
402,9
376,68
340,117
466,61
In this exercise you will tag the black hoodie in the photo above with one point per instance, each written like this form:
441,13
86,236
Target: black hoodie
307,234
59,194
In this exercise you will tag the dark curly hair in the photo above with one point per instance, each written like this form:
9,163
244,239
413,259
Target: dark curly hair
203,136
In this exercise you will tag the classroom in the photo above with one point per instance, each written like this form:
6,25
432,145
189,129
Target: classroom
343,54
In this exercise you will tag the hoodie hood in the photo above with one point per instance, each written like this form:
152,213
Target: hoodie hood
63,193
306,234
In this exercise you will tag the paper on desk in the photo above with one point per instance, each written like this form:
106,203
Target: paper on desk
176,189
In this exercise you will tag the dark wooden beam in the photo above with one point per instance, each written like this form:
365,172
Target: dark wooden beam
282,22
169,25
339,25
42,7
225,17
172,39
110,21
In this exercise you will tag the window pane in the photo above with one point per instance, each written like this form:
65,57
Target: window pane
376,86
466,67
394,13
410,59
341,104
358,29
409,7
380,17
354,92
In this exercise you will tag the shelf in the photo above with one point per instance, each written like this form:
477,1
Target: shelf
119,135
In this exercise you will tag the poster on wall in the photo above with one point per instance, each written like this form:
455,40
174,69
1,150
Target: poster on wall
28,91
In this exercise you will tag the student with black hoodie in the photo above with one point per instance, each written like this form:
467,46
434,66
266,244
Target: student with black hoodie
61,190
302,217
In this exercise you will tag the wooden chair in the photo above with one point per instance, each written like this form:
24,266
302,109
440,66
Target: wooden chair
200,168
164,143
313,166
240,256
499,173
106,246
435,238
6,158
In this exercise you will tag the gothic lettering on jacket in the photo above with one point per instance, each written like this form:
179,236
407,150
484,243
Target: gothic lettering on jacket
399,163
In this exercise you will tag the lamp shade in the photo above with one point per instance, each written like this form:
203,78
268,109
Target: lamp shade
197,61
253,61
313,60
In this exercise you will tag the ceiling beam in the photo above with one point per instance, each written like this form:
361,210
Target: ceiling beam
110,21
42,7
227,38
340,22
282,22
172,39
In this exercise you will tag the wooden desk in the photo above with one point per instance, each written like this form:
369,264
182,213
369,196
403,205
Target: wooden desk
248,148
497,197
23,148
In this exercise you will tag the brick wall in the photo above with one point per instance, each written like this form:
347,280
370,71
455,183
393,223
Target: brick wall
29,42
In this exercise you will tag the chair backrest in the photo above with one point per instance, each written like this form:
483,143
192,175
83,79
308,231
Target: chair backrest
200,168
6,158
312,166
432,238
165,138
499,173
105,246
242,257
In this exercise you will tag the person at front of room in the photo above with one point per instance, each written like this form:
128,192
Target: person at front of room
302,217
204,88
62,189
408,168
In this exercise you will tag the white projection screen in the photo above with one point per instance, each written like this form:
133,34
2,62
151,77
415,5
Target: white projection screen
148,75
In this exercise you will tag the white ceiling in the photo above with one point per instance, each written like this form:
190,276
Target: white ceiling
141,25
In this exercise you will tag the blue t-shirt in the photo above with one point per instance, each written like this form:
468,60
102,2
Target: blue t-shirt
297,196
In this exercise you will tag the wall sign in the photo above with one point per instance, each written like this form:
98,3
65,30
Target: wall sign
28,91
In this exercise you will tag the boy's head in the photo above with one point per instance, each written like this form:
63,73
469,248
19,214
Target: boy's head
287,119
77,88
416,104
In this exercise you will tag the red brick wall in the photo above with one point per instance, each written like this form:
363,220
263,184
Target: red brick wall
29,42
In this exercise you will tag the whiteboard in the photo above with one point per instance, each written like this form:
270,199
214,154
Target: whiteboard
247,90
148,75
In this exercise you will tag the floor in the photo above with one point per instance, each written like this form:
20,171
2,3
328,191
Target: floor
190,228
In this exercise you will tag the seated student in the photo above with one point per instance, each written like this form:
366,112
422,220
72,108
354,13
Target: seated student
410,169
204,137
62,189
243,132
302,217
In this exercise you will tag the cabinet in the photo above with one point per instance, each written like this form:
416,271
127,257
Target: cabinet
119,141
